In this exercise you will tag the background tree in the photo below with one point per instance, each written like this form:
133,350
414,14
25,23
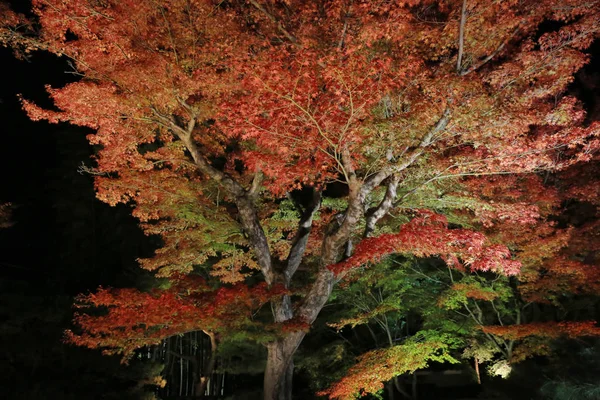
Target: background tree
490,319
208,116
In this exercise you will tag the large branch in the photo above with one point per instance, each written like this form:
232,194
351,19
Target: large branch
331,250
299,243
348,165
317,296
335,242
241,197
246,208
376,179
375,214
345,28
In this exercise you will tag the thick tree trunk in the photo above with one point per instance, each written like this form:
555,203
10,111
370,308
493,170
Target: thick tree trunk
280,367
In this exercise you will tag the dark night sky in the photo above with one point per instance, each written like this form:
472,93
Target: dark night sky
28,154
63,242
58,221
62,233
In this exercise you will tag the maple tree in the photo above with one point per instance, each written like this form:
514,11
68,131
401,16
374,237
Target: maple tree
386,299
134,319
493,320
228,125
381,365
518,318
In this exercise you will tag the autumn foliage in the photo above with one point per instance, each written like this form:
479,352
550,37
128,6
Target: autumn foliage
128,319
378,366
548,329
269,139
427,236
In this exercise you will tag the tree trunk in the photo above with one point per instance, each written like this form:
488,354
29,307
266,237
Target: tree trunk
390,390
400,389
206,372
280,367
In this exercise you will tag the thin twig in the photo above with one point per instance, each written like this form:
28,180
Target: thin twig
475,67
279,25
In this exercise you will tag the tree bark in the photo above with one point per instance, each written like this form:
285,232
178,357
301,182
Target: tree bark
279,370
205,374
390,390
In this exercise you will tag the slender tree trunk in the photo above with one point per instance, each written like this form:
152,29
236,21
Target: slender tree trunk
400,389
279,370
206,373
477,370
390,390
180,366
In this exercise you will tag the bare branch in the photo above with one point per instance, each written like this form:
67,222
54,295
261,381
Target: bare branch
345,28
375,214
376,179
317,296
494,339
280,27
256,183
439,127
169,122
416,188
299,243
348,165
243,199
461,36
168,26
497,312
478,65
316,124
343,35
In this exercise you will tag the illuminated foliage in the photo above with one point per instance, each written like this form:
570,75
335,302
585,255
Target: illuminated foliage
212,118
381,365
131,319
428,236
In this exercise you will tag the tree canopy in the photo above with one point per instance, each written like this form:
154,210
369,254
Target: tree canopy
294,141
